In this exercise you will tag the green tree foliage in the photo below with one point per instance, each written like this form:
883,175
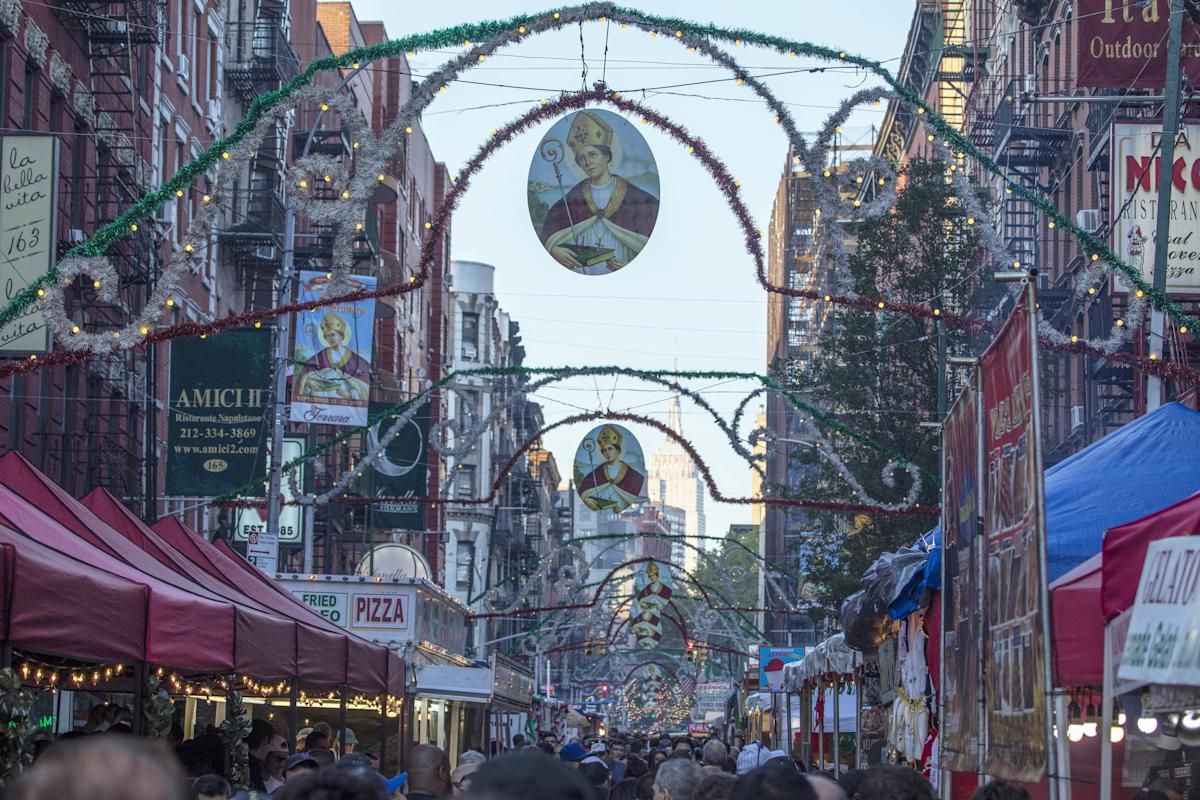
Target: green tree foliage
878,372
738,555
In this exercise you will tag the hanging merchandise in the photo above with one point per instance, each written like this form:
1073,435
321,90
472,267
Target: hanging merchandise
910,712
593,192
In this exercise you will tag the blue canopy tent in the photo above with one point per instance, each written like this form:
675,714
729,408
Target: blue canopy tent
1136,470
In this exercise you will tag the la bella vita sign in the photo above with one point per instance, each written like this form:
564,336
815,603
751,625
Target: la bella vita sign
28,168
1163,645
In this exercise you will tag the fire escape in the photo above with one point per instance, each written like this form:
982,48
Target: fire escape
119,37
259,58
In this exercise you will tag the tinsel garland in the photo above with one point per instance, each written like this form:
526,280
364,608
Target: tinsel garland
234,731
158,711
17,725
496,34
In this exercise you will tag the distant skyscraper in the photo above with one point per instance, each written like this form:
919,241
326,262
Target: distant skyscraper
675,480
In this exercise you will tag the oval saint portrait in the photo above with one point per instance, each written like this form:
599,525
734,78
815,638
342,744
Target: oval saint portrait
610,470
593,192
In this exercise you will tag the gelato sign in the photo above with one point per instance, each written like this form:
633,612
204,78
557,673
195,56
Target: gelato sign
1135,165
771,661
1163,644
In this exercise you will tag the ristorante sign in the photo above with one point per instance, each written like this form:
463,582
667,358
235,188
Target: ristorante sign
1122,44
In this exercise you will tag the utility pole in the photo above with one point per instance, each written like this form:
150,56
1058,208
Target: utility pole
1166,169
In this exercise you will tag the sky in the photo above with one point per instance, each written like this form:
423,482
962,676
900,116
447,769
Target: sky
690,297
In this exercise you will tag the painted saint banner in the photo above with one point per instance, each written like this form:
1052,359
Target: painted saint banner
28,196
332,380
1014,591
610,469
402,472
960,582
651,595
1122,44
217,420
593,192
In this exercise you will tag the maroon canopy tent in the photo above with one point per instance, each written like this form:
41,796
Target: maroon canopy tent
1125,550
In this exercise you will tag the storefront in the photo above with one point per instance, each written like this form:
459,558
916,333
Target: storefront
451,695
512,699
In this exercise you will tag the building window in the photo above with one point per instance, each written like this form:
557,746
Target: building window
470,336
464,483
30,98
471,408
463,566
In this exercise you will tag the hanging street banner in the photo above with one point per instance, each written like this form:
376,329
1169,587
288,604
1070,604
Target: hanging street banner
251,523
217,417
28,194
332,380
1134,193
771,661
1163,644
402,470
1014,591
651,594
1122,44
712,695
960,583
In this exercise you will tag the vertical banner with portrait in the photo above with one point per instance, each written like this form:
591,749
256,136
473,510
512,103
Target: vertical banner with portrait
401,474
652,592
960,583
28,193
331,384
593,192
1014,529
217,417
610,469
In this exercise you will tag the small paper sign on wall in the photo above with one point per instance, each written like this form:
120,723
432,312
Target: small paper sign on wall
1163,644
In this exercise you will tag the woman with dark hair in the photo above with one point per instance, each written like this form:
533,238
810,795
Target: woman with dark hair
635,767
625,789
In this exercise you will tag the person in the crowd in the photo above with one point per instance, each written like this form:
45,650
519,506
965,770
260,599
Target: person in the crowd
1005,790
350,741
851,781
519,743
714,755
298,764
545,747
657,759
677,778
714,786
211,787
596,773
896,783
527,776
780,780
572,753
635,766
684,743
333,784
829,789
645,787
100,768
680,752
625,789
471,757
97,719
318,745
277,755
754,755
428,773
262,733
460,779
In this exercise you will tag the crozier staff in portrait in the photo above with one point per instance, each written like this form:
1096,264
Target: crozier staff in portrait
610,470
593,200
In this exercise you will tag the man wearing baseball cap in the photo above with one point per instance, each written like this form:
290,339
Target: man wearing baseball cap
573,753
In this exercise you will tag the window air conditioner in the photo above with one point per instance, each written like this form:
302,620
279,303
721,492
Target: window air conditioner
1076,417
75,236
214,112
185,69
1088,219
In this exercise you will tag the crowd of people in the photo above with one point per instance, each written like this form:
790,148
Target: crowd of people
323,765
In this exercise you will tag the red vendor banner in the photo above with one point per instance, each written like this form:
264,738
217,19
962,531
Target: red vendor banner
960,583
1122,44
1015,553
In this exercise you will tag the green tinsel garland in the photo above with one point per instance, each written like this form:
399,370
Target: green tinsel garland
17,725
234,731
159,711
825,419
456,35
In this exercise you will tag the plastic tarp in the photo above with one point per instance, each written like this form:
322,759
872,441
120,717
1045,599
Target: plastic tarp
1125,548
865,614
1134,471
831,655
1078,628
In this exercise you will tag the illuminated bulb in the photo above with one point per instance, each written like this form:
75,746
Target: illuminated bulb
1140,293
133,226
858,179
74,329
737,182
1183,329
1091,290
920,111
481,56
355,145
179,192
204,336
258,324
1074,338
521,29
1090,729
345,194
1154,356
411,53
41,292
1050,224
1016,265
354,65
144,330
170,301
1095,256
556,15
187,248
303,184
929,138
738,81
1075,732
543,101
208,198
324,106
645,121
678,34
116,334
466,42
880,304
95,284
792,53
827,173
857,203
380,176
33,356
1120,323
817,212
691,50
328,179
442,88
428,225
937,312
358,226
690,149
970,220
1008,190
1116,734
